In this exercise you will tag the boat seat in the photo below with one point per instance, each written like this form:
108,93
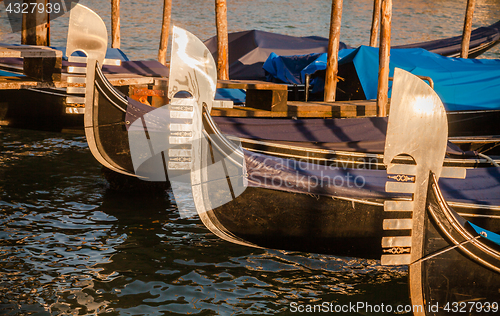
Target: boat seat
260,94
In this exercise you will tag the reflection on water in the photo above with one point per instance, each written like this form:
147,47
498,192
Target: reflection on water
71,246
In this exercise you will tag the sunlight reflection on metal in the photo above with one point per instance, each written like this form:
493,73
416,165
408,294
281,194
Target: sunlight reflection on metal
192,68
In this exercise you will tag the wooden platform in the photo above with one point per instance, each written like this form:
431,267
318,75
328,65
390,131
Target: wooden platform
42,69
306,109
260,95
39,62
15,83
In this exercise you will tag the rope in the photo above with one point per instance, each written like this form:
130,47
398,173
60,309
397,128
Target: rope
445,250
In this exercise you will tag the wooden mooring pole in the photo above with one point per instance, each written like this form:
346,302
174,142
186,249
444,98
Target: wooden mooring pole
384,53
115,23
467,28
36,31
35,26
222,39
375,22
333,51
165,28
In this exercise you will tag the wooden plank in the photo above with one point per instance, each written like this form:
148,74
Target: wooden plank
15,83
239,111
29,51
270,100
45,69
41,63
305,110
250,84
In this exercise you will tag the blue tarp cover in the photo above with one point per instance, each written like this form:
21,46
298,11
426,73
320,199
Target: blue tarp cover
462,84
491,236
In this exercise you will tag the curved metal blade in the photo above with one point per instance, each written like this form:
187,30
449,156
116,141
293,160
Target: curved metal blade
87,33
417,123
192,68
417,127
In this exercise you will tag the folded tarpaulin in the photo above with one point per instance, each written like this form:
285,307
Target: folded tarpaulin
462,84
248,50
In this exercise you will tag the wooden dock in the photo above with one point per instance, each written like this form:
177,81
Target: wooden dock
42,69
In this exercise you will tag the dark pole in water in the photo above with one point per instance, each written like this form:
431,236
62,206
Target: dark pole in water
467,28
333,51
115,23
165,28
35,26
222,39
384,53
375,22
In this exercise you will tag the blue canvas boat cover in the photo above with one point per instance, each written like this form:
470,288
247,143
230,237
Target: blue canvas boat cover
462,84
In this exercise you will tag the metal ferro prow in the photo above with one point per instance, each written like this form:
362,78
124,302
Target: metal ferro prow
87,33
216,175
418,128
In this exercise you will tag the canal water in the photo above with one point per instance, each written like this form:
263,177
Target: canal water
71,246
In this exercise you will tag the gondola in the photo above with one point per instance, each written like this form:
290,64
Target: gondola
326,219
454,264
459,267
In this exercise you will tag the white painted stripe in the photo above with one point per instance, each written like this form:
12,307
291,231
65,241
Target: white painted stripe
180,140
400,187
402,169
181,114
75,90
396,241
393,260
397,223
73,100
181,127
390,206
180,152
